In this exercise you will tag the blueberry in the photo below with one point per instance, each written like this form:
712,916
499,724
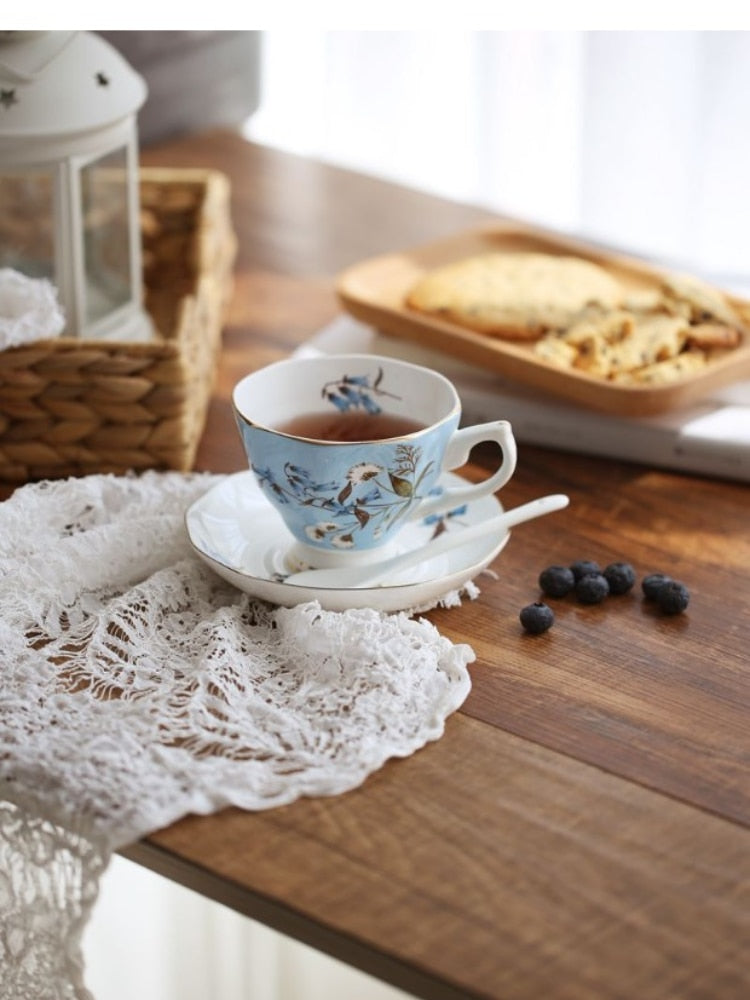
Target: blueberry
592,588
673,597
652,584
536,618
583,566
620,576
557,581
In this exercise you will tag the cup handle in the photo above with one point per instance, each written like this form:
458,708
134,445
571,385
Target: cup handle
457,454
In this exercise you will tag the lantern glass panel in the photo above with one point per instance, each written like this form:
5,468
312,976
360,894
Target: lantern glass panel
27,241
106,239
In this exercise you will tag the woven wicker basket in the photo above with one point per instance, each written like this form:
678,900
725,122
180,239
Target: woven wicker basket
71,407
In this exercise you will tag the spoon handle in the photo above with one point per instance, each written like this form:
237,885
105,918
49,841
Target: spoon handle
376,573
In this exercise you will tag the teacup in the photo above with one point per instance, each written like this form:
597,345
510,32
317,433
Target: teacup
349,448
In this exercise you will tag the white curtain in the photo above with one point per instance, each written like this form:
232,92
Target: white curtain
636,138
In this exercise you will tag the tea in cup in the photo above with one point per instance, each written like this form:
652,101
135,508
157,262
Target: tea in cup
350,447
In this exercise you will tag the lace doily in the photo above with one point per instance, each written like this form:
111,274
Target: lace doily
138,687
29,309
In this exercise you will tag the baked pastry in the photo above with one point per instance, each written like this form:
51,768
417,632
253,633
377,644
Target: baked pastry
576,315
662,343
515,295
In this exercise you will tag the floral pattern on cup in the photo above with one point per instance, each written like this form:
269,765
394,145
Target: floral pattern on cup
438,523
356,392
443,522
371,496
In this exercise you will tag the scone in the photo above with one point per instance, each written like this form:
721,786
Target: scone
519,296
701,301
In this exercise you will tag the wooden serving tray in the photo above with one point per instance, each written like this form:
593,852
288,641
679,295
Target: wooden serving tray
374,291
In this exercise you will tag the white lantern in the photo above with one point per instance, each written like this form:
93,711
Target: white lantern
69,176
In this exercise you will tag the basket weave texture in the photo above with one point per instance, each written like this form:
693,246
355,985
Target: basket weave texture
71,407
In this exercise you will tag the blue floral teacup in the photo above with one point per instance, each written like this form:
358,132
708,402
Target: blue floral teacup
350,447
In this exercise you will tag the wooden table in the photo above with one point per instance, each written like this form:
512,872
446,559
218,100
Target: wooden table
581,830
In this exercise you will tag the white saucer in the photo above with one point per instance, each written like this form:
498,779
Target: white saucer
238,534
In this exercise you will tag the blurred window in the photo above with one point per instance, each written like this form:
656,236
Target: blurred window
636,138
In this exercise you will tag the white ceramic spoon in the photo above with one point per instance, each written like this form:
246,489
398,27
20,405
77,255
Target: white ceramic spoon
376,574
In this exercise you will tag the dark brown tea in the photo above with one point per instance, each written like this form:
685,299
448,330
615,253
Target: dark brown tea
350,425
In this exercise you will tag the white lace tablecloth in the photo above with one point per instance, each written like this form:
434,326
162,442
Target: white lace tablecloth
138,687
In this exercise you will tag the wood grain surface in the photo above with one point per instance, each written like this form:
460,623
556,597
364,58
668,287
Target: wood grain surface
581,829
